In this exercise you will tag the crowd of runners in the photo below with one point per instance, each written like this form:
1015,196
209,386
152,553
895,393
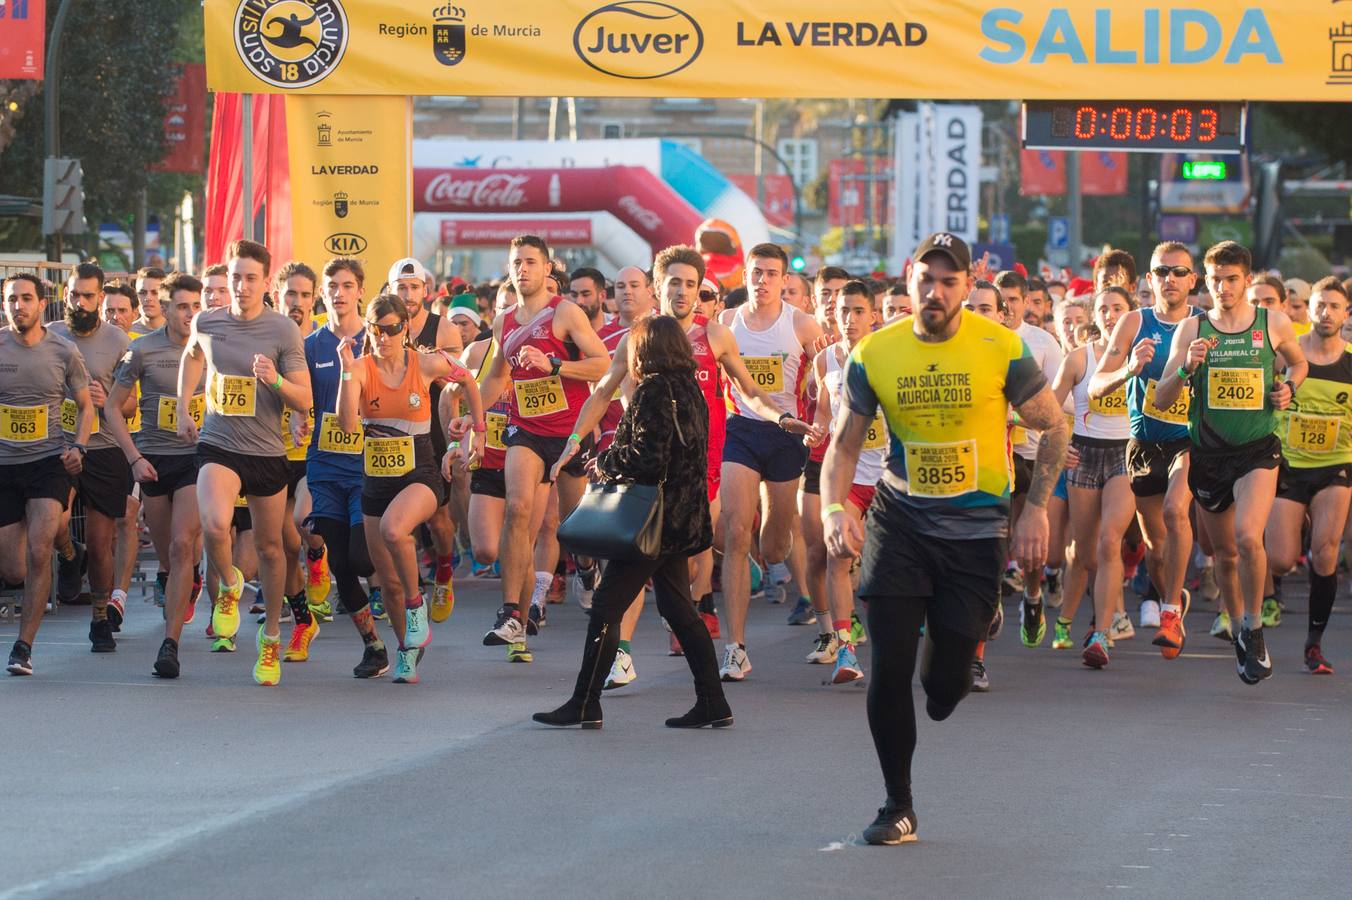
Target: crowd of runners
300,445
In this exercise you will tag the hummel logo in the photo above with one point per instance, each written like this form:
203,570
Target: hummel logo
932,367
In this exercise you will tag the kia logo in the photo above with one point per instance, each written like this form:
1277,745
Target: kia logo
638,39
345,243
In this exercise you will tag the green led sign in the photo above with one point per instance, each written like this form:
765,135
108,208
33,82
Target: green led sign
1199,170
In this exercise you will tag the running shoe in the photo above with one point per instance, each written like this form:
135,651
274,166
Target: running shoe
225,611
70,574
674,645
1032,622
621,673
1257,664
1173,633
1061,636
1012,580
757,579
190,608
1240,661
1096,652
1121,629
377,603
802,613
1207,588
1051,588
161,582
1315,663
1149,616
847,666
857,633
981,679
778,573
894,825
317,579
1220,627
480,571
166,663
711,623
773,592
506,630
518,652
535,619
268,670
406,666
323,610
298,648
736,664
20,659
582,585
997,623
375,661
196,585
825,650
117,612
443,601
417,631
1272,612
101,637
558,588
223,645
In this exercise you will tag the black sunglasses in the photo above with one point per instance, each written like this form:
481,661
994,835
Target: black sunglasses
1176,271
707,295
388,330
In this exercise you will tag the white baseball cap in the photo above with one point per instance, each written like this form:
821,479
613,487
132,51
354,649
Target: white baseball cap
408,267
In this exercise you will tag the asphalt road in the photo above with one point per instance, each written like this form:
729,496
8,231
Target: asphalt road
1146,779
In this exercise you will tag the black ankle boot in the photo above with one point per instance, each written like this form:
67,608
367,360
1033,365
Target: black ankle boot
713,712
584,707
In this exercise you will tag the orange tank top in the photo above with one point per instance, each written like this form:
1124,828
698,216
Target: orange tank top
406,408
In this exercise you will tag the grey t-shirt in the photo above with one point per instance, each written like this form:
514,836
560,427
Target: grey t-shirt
101,350
153,360
33,382
244,416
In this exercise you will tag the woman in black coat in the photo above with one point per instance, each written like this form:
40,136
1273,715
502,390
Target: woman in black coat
663,438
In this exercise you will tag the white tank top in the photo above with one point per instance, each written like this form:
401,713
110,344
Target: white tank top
774,357
874,454
1104,419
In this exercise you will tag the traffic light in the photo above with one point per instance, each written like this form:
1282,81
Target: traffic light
62,196
798,263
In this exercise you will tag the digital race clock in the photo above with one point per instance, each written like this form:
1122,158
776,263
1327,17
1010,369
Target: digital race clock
1164,127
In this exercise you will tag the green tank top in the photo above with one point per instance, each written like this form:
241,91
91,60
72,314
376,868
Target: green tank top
1316,429
1230,403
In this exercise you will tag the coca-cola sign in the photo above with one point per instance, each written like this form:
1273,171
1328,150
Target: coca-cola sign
644,216
489,190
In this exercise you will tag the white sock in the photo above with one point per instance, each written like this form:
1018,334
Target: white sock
542,582
119,595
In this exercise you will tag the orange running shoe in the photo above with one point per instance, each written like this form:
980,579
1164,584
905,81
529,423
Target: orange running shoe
443,601
1172,633
298,649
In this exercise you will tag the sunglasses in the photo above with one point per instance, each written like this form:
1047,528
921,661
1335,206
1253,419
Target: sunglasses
707,296
388,330
1176,271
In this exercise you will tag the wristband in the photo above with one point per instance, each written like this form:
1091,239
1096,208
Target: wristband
277,385
1292,385
574,437
453,445
784,416
832,508
136,460
1184,374
347,376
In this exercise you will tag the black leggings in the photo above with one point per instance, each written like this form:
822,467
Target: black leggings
945,673
348,560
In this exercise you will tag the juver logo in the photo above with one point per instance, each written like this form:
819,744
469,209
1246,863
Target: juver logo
290,43
638,39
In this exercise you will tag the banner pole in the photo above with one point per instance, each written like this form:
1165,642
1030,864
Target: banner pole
246,202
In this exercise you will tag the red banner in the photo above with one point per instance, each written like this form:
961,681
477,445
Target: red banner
184,121
848,196
271,175
498,232
22,35
778,196
1102,173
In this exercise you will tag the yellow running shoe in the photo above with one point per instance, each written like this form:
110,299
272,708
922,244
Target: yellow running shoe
317,580
298,649
268,669
225,609
443,601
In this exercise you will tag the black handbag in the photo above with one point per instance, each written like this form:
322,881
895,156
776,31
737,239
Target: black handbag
618,519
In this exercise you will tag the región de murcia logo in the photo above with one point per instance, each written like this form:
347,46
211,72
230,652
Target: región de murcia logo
448,34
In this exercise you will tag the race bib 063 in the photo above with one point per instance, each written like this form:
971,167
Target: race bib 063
23,424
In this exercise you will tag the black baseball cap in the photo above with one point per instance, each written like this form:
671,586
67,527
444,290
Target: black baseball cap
950,245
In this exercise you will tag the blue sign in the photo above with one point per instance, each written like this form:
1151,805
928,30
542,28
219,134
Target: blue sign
999,230
1058,233
1001,255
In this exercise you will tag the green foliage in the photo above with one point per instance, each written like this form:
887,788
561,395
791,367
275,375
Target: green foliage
115,60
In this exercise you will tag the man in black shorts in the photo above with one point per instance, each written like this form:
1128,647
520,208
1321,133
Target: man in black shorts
37,371
105,481
254,364
163,463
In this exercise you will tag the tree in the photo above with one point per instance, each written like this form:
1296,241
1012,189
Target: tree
1321,126
115,81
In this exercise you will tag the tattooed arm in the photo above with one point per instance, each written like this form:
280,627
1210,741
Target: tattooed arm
1040,412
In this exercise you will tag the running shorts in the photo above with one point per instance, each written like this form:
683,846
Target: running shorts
175,471
488,483
1101,460
765,448
259,476
336,499
549,449
43,479
1301,485
105,482
1149,464
1212,474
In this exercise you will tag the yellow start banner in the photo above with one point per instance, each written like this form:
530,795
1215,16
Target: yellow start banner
351,164
925,49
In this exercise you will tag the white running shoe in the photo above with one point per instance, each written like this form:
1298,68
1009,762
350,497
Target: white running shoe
1121,629
778,573
736,664
621,673
825,650
1150,614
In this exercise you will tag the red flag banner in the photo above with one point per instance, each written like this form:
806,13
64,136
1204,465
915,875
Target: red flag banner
184,121
22,32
